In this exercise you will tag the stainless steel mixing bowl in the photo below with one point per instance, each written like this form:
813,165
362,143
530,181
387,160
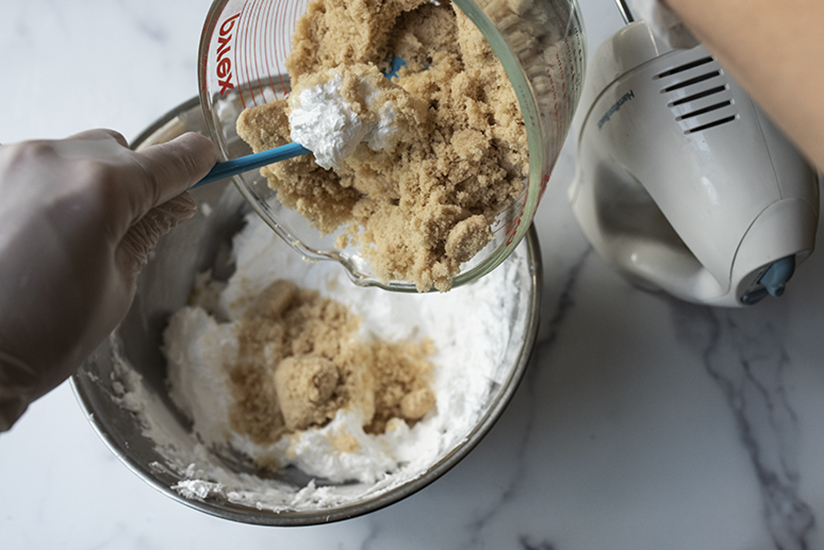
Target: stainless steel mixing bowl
132,357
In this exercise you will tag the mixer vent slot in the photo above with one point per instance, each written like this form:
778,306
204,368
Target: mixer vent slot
699,95
705,110
685,67
691,81
712,124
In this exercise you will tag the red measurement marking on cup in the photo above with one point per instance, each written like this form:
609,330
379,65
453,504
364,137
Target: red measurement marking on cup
244,39
512,230
544,183
280,34
241,57
282,16
261,38
256,53
288,22
269,37
285,22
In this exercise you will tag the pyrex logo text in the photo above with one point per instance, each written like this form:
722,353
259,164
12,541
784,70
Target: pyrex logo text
224,62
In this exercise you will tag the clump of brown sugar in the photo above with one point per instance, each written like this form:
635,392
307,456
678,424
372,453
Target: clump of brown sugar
299,362
423,206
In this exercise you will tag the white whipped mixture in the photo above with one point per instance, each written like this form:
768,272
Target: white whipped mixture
471,327
323,122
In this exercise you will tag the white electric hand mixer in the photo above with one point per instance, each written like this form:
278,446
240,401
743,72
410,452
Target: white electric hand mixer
683,184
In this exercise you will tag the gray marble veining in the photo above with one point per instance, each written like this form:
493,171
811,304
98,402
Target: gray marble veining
745,354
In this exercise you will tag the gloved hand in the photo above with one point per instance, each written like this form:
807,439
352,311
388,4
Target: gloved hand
664,23
78,218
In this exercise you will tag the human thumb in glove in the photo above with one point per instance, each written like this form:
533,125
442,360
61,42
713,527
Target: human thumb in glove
78,219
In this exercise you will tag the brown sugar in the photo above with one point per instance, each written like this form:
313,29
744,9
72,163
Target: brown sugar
300,361
424,205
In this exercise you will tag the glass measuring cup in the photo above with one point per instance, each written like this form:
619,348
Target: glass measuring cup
540,44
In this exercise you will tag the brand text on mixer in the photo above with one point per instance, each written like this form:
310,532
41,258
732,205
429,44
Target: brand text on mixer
629,96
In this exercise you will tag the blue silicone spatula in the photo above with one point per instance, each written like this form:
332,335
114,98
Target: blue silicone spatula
233,167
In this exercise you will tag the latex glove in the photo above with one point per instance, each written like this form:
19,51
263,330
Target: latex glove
664,23
78,218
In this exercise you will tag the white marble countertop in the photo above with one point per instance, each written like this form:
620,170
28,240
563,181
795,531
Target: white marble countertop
642,423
